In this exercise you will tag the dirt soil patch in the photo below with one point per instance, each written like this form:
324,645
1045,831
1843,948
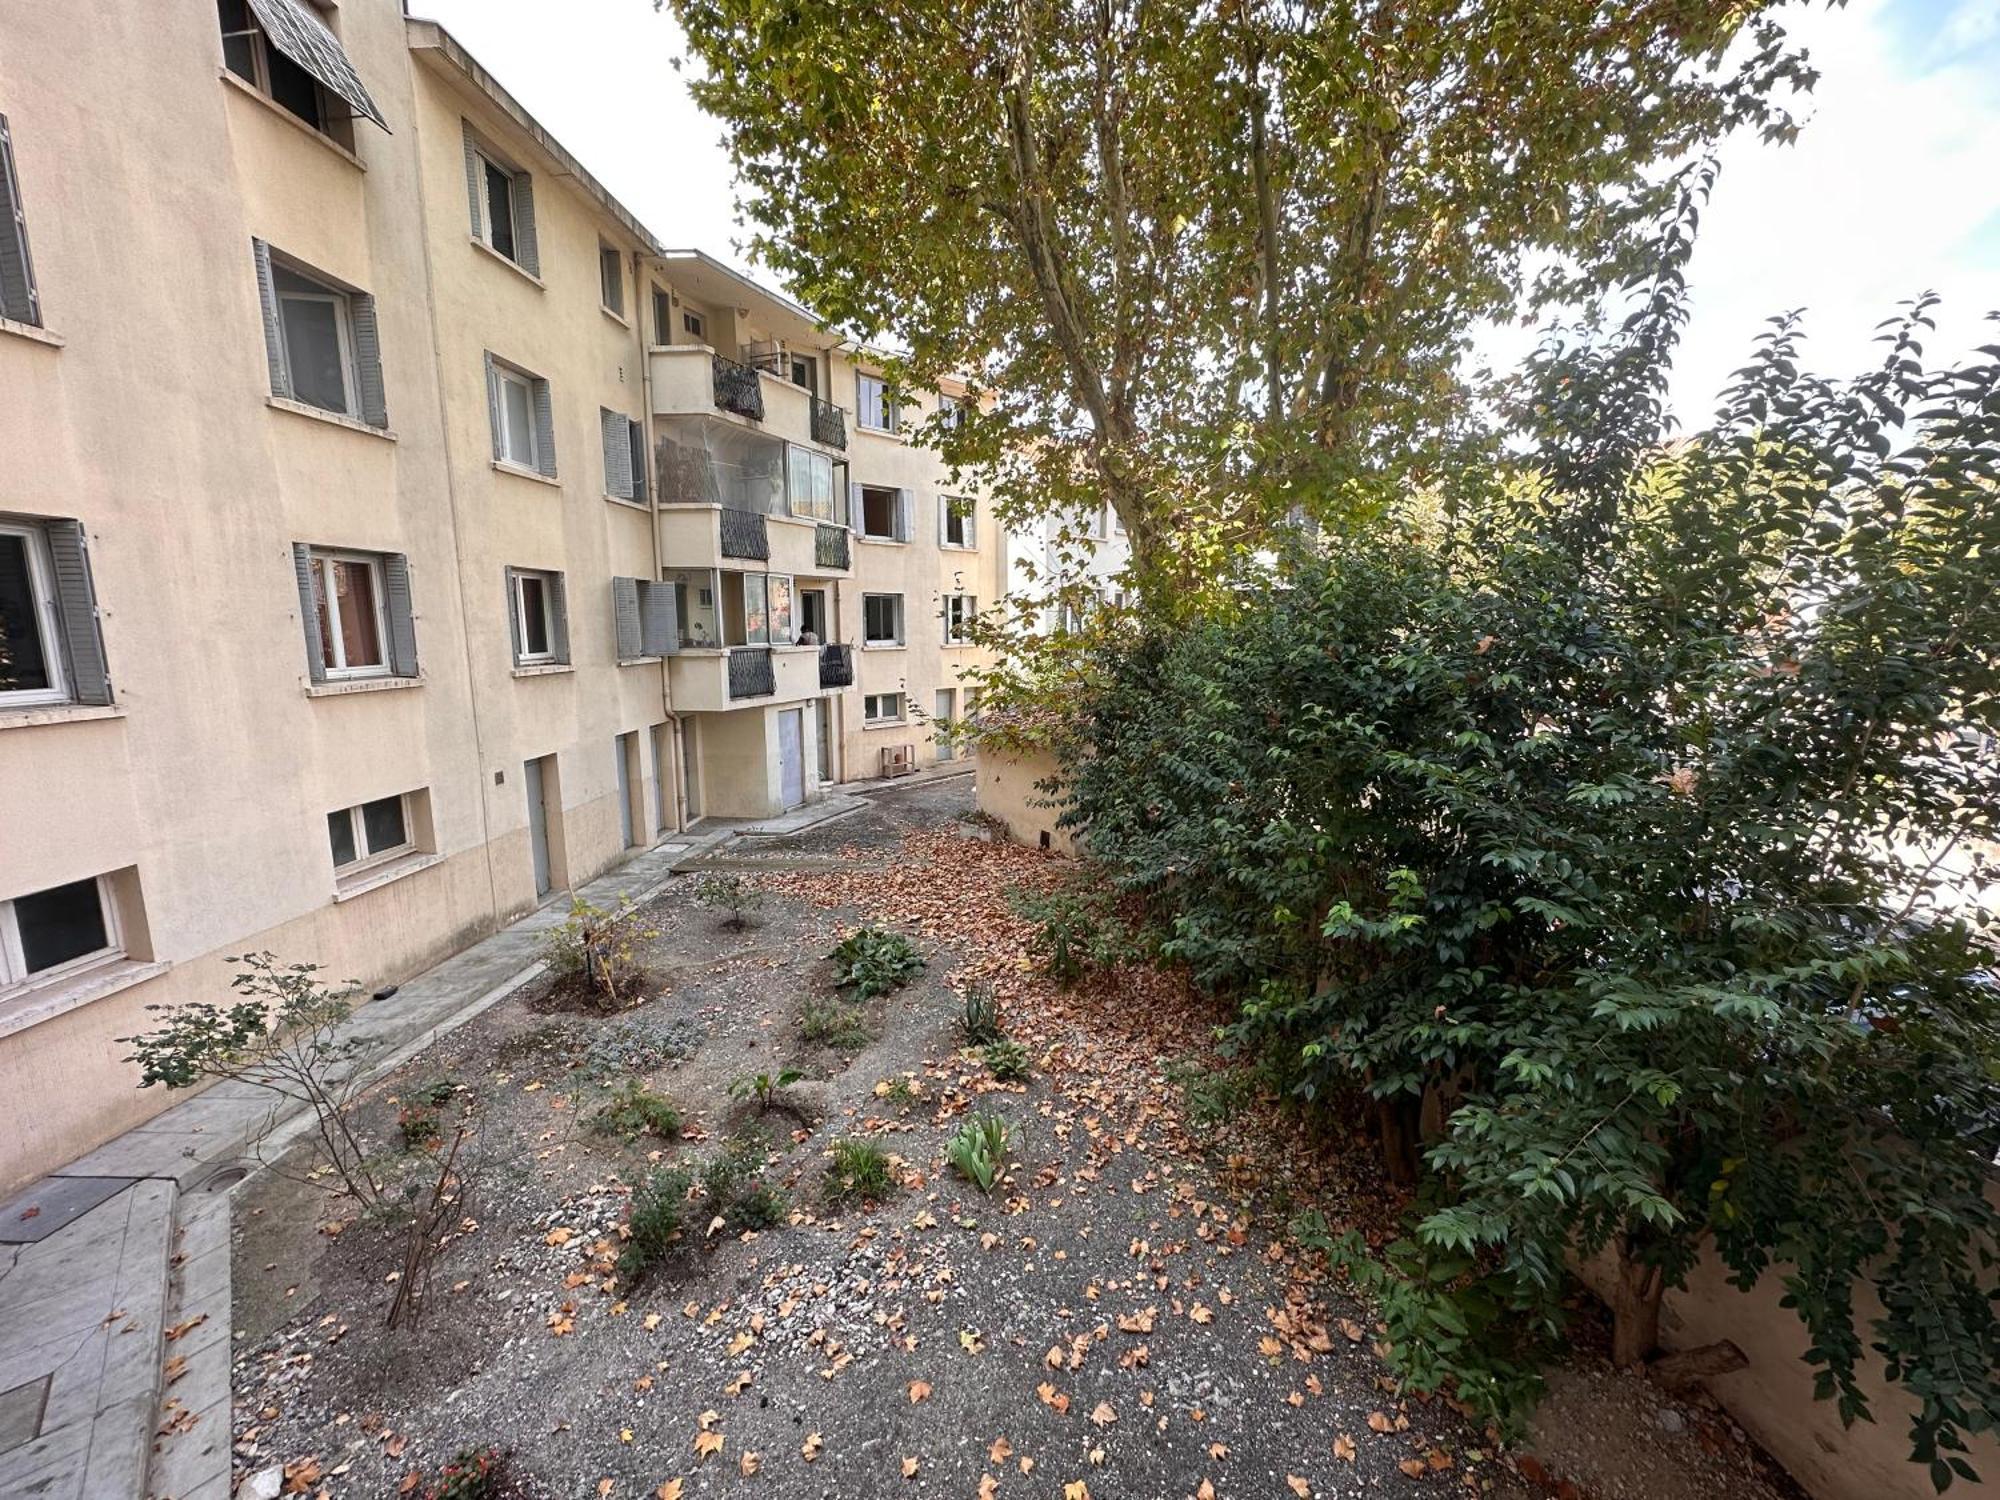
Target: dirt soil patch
1121,1316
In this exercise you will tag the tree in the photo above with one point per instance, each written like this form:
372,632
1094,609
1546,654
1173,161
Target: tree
1208,263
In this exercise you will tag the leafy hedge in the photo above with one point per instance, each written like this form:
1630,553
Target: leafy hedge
1612,824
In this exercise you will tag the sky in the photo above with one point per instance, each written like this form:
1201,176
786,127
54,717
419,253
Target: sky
1892,189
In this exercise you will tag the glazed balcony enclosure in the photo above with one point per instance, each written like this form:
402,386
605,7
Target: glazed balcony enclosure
731,496
739,635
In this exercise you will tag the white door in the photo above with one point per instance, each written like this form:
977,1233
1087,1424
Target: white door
944,712
792,757
538,827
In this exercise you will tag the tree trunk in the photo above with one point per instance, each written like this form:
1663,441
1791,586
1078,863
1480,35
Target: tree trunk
1398,1120
1635,1310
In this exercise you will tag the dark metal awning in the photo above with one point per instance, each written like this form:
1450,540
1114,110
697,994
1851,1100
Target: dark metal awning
303,37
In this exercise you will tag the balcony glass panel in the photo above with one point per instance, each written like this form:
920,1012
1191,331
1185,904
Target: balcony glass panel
695,607
713,463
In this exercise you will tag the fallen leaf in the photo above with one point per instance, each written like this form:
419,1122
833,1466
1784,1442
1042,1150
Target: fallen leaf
1343,1448
812,1447
1299,1486
1414,1467
707,1444
1000,1451
920,1390
1379,1422
910,1467
749,1463
1103,1415
671,1490
989,1487
1201,1314
1076,1489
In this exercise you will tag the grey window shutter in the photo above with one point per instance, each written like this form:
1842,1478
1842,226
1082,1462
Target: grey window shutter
402,619
558,617
302,565
625,616
76,600
18,298
855,513
526,253
617,429
472,180
659,624
905,515
635,438
944,519
970,522
274,339
493,404
545,430
368,360
514,612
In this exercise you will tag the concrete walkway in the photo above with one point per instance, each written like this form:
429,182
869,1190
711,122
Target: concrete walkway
114,1272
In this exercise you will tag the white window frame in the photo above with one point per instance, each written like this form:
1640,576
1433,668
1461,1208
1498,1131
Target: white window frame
48,609
502,376
794,503
366,858
14,975
323,559
261,47
895,517
965,607
694,324
609,258
967,519
901,716
529,658
902,637
488,162
889,413
343,334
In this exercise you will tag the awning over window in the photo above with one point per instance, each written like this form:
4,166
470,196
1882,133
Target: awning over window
303,37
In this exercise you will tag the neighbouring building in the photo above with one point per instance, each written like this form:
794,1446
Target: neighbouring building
1085,555
392,533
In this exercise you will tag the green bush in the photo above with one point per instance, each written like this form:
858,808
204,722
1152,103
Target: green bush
833,1022
763,1088
472,1474
1078,928
874,961
979,1150
634,1110
1006,1060
597,949
731,893
659,1208
859,1169
735,1189
979,1016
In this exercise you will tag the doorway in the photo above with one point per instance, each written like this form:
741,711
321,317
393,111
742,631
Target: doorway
812,614
791,757
626,750
940,734
823,716
663,791
690,781
538,824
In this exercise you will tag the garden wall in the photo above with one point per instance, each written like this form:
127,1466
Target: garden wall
1006,791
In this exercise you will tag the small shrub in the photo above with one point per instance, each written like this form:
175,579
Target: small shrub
833,1022
901,1092
474,1474
639,1044
764,1088
597,949
733,1185
659,1208
979,1149
979,1020
1213,1096
417,1126
1006,1060
874,961
730,893
634,1110
860,1169
1078,928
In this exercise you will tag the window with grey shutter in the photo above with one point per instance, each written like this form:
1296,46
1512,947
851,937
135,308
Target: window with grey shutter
659,622
76,601
558,618
402,619
617,430
625,618
906,503
514,611
545,430
493,406
18,298
527,254
302,565
368,360
635,437
474,175
274,335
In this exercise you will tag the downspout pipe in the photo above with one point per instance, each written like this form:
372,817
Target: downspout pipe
642,298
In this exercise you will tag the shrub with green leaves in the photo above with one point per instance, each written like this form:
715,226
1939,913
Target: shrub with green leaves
731,893
736,1191
833,1022
597,949
765,1089
858,1169
1078,928
979,1150
659,1208
874,961
634,1110
1005,1059
472,1474
979,1016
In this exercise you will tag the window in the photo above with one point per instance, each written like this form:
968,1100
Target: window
695,326
809,483
663,317
540,618
882,708
502,203
884,513
955,521
805,372
951,411
872,406
284,50
18,298
959,612
523,417
696,617
356,609
56,931
611,278
50,649
320,339
642,617
369,834
882,619
624,455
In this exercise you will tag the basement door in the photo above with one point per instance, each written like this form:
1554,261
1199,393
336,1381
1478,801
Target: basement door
823,721
792,756
538,827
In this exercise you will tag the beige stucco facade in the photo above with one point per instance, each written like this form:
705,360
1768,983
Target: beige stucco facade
137,412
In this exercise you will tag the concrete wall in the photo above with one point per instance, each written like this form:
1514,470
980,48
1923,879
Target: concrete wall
1006,792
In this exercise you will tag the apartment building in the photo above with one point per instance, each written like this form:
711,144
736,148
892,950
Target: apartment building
392,534
1050,565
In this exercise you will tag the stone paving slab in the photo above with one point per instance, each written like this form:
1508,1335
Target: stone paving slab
52,1204
190,1458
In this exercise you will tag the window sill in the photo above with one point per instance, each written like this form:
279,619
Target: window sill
31,1007
885,645
501,466
881,432
32,332
265,101
381,875
884,723
615,316
879,541
957,645
337,687
638,661
57,713
639,505
331,418
958,546
513,265
544,668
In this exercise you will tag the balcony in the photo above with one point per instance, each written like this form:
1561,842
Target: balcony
705,680
829,424
750,673
690,380
743,534
738,388
836,666
830,549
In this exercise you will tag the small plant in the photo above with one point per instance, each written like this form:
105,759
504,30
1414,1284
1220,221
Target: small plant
860,1169
979,1019
1213,1096
833,1022
764,1088
874,961
598,949
1006,1060
417,1126
474,1474
979,1149
653,1225
730,893
634,1110
1078,928
901,1092
736,1190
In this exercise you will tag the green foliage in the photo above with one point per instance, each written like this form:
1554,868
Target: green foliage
901,1092
764,1088
472,1474
1005,1059
736,1190
659,1208
1079,929
979,1150
597,949
1615,821
1213,1096
859,1169
979,1017
833,1022
731,893
634,1110
417,1126
874,961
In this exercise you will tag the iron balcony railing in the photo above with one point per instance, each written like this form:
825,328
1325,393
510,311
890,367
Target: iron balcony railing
830,547
744,534
836,666
750,672
829,423
737,389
